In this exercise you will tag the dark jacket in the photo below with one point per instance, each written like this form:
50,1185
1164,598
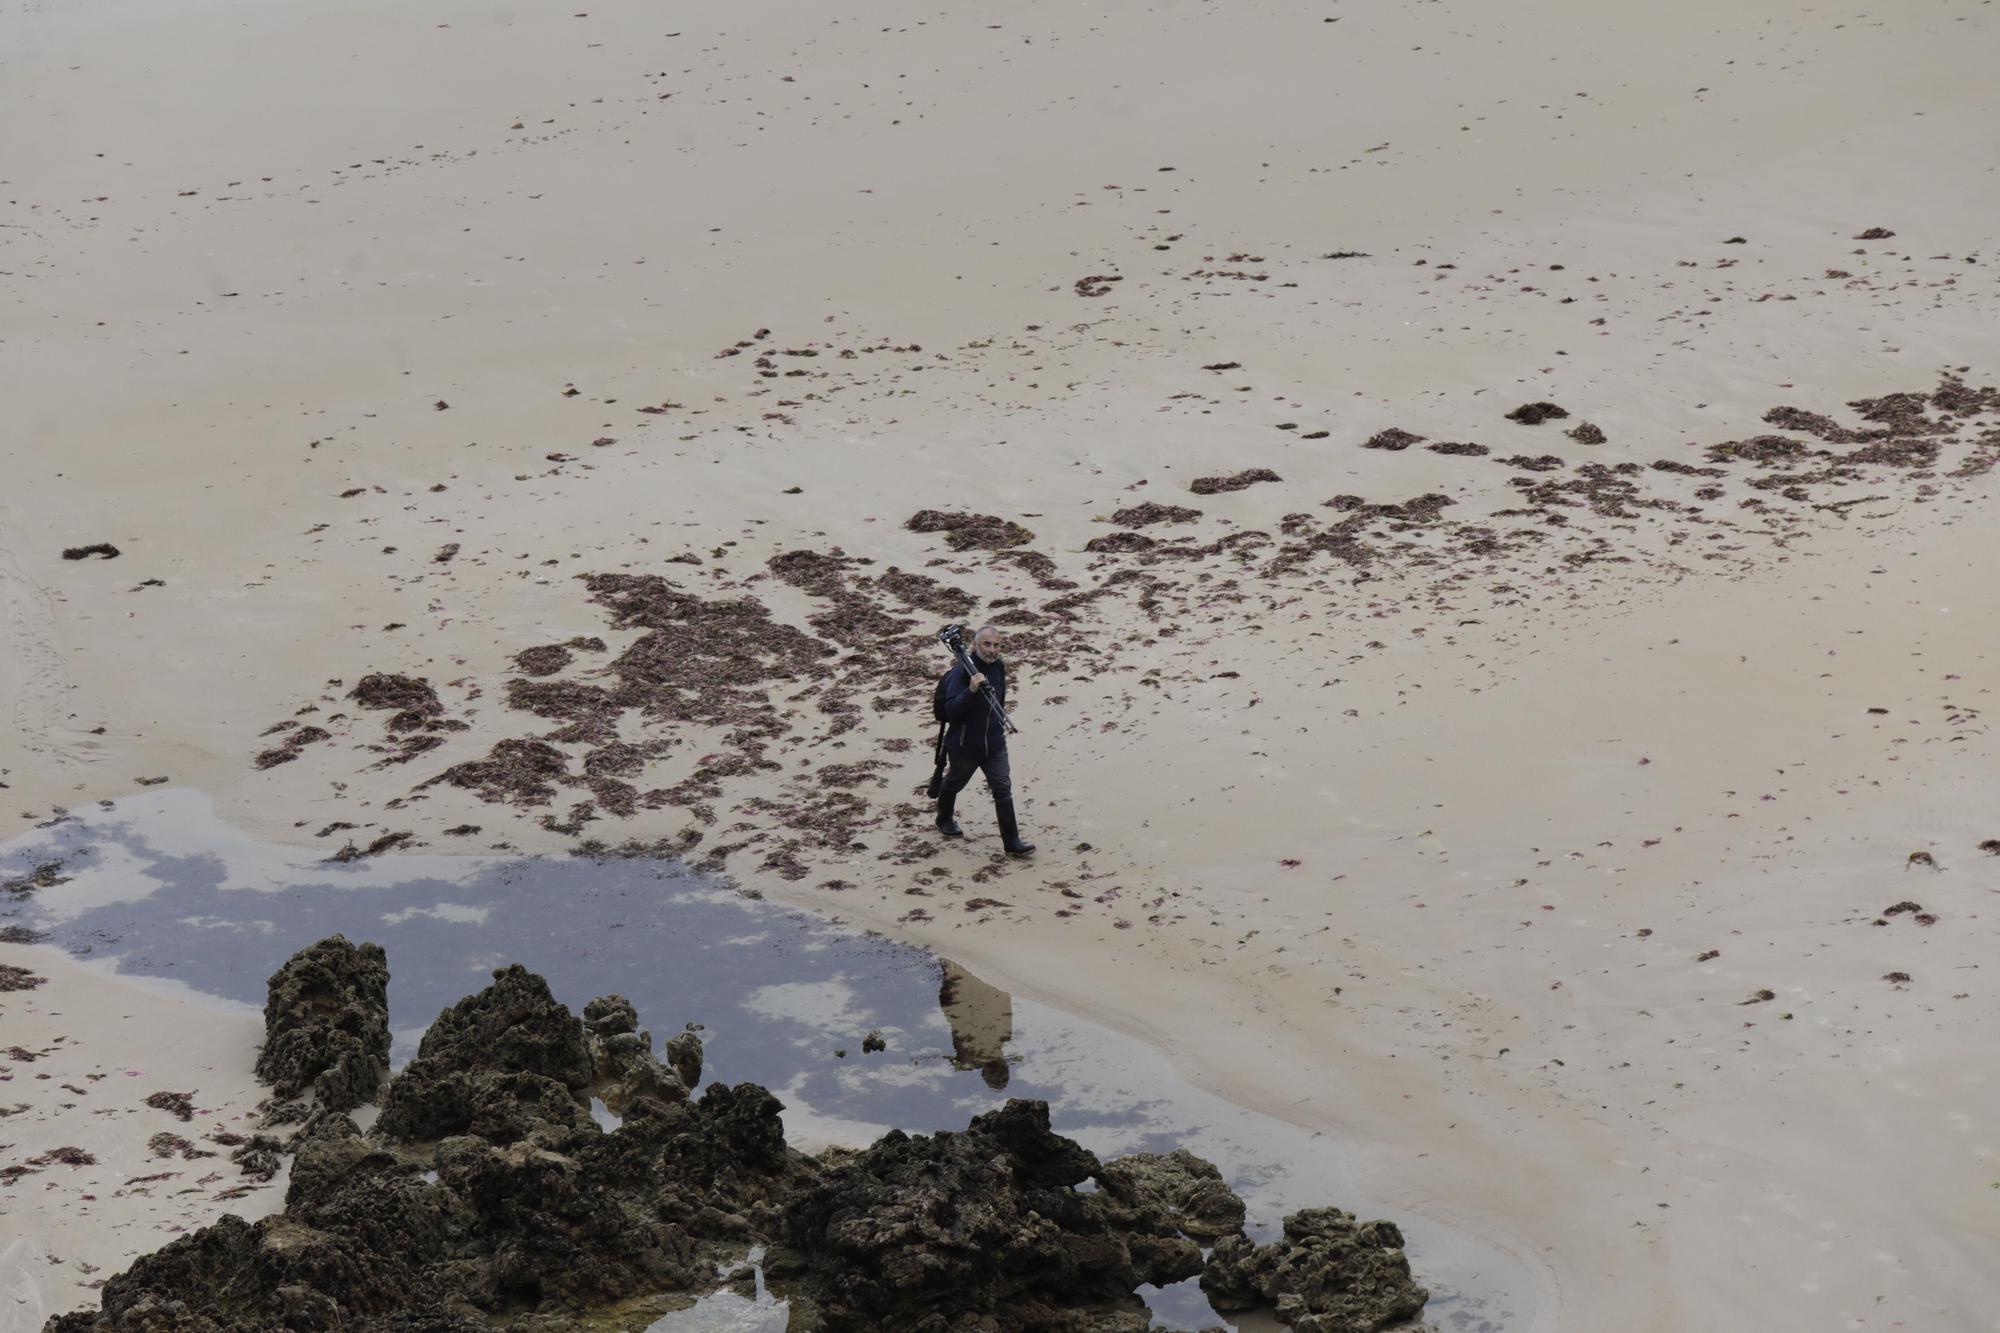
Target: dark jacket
974,730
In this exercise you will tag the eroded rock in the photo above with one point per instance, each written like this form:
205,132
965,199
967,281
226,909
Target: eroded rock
622,1063
1328,1274
981,1230
485,1194
1188,1190
509,1054
326,1024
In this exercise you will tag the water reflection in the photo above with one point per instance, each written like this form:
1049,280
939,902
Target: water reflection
157,886
981,1018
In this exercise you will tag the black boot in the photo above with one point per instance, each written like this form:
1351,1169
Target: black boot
1010,832
945,823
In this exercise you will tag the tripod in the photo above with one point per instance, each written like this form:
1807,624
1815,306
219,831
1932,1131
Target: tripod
953,638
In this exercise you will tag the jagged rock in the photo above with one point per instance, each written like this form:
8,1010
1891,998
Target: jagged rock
529,1209
980,1230
513,1027
1328,1274
610,1014
1186,1188
326,1024
486,1195
684,1057
621,1056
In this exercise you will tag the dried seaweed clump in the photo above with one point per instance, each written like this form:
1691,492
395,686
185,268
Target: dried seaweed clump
970,532
545,660
415,703
1534,414
1761,449
1151,512
288,749
18,978
1234,481
1392,439
522,772
925,593
1120,543
702,661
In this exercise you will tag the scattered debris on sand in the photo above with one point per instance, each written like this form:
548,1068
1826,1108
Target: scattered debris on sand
104,549
715,677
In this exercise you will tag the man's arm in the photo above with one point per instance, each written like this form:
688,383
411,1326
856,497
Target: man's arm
957,694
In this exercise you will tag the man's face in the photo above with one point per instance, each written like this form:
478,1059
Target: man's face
987,644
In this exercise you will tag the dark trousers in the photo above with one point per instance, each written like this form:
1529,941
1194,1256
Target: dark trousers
999,775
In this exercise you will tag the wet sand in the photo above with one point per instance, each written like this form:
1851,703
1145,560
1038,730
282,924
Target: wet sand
1472,834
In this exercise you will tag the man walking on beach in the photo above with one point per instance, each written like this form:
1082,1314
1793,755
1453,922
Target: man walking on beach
976,740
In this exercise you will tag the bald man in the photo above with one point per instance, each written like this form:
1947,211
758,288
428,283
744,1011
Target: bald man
975,740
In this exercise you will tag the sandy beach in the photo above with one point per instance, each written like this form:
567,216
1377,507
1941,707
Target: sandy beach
546,432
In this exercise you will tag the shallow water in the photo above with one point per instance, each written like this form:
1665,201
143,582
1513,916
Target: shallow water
158,887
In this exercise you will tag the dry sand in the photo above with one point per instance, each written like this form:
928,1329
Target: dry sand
293,299
86,1049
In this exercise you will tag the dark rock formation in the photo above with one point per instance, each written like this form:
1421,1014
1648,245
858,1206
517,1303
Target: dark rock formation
326,1024
684,1057
1329,1274
509,1052
486,1196
527,1207
622,1064
981,1231
1189,1191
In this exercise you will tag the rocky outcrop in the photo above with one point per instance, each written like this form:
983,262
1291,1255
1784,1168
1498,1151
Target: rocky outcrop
622,1064
485,1190
1190,1192
1328,1274
326,1024
981,1231
486,1194
498,1059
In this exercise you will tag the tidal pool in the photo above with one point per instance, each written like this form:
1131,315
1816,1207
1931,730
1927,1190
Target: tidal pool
155,885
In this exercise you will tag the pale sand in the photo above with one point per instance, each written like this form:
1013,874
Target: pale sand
101,1044
928,178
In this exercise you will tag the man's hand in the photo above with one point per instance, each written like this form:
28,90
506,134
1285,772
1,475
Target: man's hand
978,682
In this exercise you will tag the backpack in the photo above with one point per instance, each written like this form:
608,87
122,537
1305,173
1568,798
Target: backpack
944,724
